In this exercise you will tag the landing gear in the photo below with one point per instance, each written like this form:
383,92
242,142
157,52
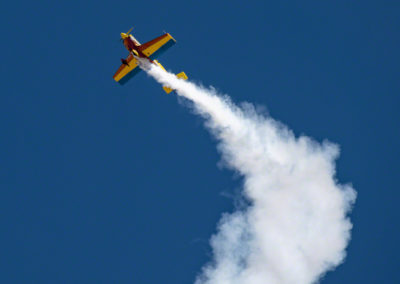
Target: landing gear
124,62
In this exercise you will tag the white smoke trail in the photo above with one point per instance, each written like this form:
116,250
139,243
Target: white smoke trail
295,227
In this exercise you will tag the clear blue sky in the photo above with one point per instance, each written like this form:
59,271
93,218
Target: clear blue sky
108,184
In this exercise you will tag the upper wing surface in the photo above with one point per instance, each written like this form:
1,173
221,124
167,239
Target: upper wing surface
155,47
126,72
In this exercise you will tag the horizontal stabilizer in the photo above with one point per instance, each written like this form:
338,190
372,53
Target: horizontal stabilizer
181,75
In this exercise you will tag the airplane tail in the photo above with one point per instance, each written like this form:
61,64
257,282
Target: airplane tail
182,76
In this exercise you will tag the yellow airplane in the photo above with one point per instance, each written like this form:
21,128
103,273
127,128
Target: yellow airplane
150,51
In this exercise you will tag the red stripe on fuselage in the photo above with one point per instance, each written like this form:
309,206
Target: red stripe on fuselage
131,45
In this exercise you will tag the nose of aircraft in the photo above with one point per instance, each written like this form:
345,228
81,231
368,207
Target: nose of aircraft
124,35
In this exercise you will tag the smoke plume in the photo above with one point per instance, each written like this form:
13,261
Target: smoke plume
295,227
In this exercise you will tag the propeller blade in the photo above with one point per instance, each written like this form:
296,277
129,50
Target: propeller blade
129,31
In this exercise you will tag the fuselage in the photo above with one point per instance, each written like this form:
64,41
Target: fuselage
132,45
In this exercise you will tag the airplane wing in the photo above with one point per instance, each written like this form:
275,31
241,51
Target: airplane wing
126,72
157,46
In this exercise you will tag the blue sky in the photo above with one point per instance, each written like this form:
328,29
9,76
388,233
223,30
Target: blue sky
108,184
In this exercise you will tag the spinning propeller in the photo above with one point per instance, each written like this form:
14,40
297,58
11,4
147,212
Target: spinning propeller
125,35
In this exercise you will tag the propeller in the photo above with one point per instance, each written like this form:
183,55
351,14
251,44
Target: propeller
125,34
129,31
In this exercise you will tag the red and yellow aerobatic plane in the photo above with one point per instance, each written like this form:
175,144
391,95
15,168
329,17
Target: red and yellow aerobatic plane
150,50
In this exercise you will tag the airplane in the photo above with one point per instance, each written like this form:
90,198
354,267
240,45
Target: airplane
149,50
